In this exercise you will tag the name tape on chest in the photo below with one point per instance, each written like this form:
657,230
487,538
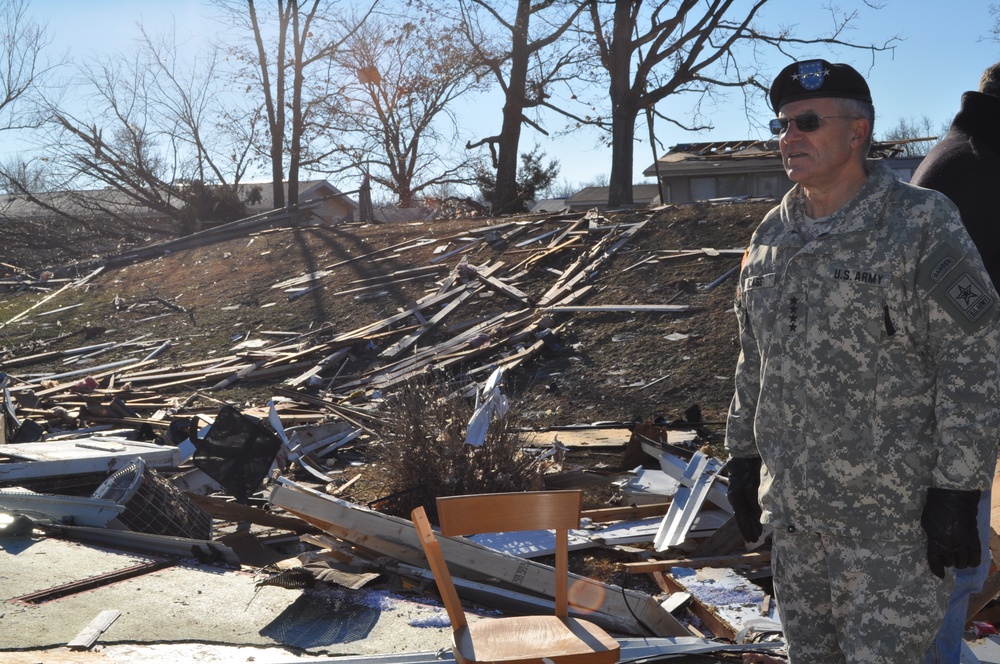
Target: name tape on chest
861,276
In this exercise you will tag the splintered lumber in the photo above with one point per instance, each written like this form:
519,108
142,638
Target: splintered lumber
653,308
505,289
622,610
409,340
457,348
708,617
422,303
606,514
569,229
316,368
752,559
463,248
220,508
75,284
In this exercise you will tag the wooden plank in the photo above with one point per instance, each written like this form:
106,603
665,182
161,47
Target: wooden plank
753,559
629,611
626,513
580,438
504,289
367,287
410,339
629,308
316,368
707,615
677,601
89,634
422,303
231,511
453,252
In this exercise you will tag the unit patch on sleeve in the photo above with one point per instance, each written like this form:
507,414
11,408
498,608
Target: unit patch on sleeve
951,279
969,297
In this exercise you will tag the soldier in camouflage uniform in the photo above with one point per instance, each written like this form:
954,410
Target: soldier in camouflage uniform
865,411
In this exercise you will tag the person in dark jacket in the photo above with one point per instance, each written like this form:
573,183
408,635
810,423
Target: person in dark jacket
965,166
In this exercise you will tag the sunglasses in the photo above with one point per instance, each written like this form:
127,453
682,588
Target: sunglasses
806,122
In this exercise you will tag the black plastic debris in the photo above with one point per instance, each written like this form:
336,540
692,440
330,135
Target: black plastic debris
237,452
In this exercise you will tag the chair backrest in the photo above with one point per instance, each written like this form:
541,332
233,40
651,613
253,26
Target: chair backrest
502,512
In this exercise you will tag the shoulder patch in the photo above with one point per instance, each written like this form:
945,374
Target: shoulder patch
969,297
949,278
937,265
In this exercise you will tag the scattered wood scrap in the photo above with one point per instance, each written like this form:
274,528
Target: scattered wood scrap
465,314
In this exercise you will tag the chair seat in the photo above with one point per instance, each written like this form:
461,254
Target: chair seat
526,639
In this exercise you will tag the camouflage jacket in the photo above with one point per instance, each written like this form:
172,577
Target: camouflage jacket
868,369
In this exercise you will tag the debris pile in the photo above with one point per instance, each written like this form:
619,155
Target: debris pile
96,434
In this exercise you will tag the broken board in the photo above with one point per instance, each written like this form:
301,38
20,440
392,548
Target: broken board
79,456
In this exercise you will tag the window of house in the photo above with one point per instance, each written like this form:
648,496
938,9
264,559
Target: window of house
767,185
720,186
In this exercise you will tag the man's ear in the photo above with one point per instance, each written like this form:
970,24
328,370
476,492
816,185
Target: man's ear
859,132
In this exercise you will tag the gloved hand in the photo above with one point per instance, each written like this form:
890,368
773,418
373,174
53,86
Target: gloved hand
949,518
744,480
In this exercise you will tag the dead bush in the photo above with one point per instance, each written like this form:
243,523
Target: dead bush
424,454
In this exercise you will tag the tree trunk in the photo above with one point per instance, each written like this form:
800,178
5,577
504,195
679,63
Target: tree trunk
405,197
623,140
624,106
274,101
298,122
505,198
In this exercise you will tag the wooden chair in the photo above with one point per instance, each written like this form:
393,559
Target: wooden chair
519,639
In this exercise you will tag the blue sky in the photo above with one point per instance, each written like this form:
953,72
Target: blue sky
943,50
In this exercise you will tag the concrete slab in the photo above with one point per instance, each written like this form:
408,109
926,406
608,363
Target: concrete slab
200,603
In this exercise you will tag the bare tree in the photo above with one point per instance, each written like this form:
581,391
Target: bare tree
653,50
531,60
201,111
915,137
23,44
299,37
406,76
146,132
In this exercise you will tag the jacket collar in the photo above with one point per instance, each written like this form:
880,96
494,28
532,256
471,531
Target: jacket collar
980,118
859,213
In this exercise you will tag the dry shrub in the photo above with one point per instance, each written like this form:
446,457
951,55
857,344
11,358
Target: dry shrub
425,456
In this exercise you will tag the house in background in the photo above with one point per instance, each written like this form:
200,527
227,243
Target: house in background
548,205
331,205
323,200
643,195
692,172
87,205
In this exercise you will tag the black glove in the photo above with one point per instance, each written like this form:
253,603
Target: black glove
952,529
744,480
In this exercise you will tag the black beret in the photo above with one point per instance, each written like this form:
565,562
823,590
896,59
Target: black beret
817,78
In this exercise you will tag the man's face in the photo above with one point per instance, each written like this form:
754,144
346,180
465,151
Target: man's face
816,159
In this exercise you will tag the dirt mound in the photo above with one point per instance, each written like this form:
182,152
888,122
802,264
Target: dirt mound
300,288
